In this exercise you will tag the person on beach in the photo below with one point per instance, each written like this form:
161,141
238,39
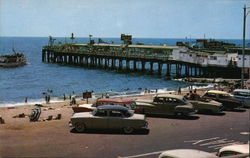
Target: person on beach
179,90
64,97
186,96
46,99
192,96
26,99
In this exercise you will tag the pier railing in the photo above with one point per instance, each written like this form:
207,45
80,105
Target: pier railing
114,54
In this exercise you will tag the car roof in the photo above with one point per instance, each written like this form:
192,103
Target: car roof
242,90
115,100
217,92
170,96
112,107
184,153
242,148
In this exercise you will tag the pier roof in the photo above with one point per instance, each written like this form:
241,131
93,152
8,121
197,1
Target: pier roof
132,46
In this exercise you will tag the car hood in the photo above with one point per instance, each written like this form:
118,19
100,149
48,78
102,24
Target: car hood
208,102
144,100
143,104
86,106
138,117
82,115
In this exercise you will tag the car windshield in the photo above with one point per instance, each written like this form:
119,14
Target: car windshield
99,112
185,100
133,105
244,94
224,96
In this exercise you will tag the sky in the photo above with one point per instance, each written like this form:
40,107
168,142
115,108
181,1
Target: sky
218,19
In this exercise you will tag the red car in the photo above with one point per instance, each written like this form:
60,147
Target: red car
130,104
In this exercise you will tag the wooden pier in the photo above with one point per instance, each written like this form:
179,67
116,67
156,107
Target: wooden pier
149,59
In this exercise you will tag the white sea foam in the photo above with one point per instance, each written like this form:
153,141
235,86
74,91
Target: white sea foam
111,94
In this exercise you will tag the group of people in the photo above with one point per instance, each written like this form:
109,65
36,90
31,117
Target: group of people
192,95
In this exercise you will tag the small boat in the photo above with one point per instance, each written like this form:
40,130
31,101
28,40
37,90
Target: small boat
13,60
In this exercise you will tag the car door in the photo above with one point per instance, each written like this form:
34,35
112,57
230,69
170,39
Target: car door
170,105
100,120
115,119
159,105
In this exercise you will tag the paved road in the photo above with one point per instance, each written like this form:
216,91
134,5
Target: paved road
55,139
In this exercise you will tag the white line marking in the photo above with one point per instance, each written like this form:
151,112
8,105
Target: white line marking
222,145
202,140
216,142
245,133
141,155
233,142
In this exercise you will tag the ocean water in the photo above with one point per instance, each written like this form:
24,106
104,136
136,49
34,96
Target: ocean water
36,77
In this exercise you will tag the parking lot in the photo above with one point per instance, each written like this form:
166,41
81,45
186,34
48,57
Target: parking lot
57,139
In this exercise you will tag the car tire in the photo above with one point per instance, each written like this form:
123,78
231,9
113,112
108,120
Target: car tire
128,130
80,127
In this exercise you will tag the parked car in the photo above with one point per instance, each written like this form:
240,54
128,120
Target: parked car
130,104
207,105
234,150
243,95
166,104
225,98
186,153
108,117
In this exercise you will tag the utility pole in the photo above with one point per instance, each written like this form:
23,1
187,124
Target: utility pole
243,44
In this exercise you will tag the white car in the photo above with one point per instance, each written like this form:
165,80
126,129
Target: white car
186,153
108,117
234,150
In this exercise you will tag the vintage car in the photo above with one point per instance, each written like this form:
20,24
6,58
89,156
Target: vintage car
166,104
243,95
234,150
207,105
130,104
108,117
225,98
186,153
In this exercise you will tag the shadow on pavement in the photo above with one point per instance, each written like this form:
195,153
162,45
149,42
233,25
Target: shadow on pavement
113,132
174,117
212,114
236,110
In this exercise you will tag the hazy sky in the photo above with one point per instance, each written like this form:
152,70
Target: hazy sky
110,18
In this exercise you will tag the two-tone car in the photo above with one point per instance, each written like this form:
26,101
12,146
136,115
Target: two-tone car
223,97
243,95
166,104
130,104
207,105
108,117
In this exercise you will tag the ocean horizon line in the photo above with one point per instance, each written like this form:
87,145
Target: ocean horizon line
96,37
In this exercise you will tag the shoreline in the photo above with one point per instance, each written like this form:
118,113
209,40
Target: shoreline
112,94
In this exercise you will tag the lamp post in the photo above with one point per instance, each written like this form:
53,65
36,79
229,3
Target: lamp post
243,45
